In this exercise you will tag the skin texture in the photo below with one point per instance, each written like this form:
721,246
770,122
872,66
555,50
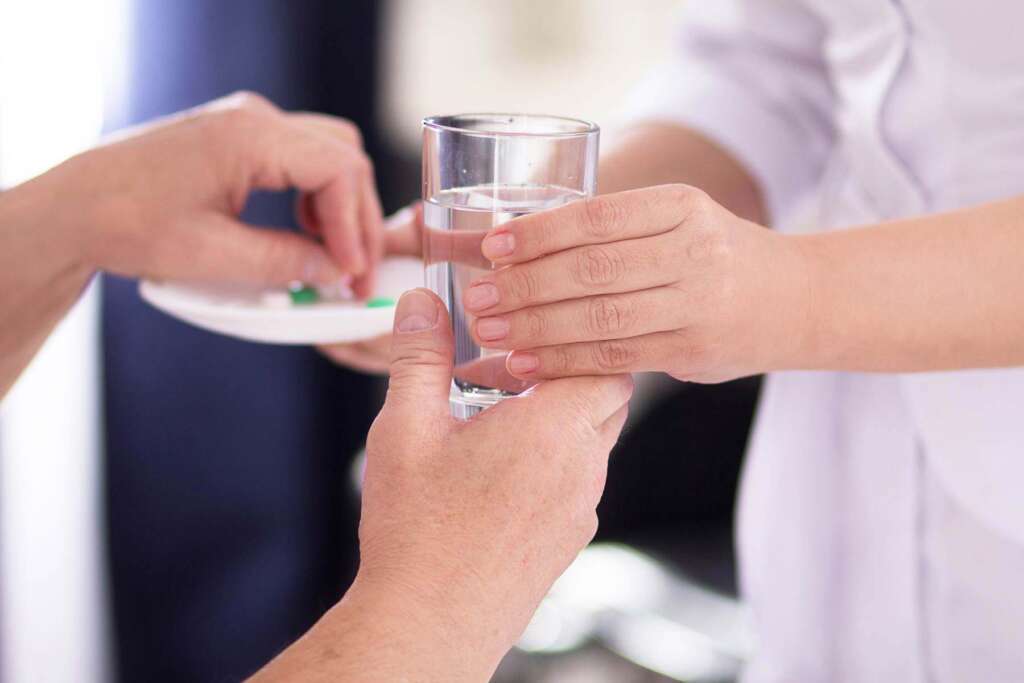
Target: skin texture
163,201
465,525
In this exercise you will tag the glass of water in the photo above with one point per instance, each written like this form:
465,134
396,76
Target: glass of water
480,170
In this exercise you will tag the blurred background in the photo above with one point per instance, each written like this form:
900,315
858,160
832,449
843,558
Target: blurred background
177,506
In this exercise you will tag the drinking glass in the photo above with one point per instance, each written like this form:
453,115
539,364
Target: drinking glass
480,170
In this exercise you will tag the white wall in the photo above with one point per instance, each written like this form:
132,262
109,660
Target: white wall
570,57
56,56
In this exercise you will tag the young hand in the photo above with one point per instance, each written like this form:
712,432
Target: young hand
656,279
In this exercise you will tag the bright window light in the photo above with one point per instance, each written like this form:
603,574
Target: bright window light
56,57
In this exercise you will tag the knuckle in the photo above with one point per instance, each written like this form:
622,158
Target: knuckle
536,324
680,194
613,356
598,266
601,216
242,113
563,360
691,203
410,360
250,101
606,315
357,167
522,284
350,132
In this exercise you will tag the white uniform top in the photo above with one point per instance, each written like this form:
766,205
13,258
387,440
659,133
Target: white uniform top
881,517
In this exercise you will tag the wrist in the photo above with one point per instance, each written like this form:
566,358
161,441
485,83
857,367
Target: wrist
444,638
44,256
47,217
378,634
808,344
40,280
88,207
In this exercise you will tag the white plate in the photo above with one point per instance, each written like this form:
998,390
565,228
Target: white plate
239,311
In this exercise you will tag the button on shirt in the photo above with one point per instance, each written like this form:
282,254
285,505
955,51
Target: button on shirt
881,517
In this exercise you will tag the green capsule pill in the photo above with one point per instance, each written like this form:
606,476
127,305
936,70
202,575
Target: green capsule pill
380,302
304,295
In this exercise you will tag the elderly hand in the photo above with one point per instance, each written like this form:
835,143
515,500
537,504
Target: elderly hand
465,525
481,516
657,279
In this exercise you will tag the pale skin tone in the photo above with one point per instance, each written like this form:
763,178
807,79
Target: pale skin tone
667,279
458,546
657,275
163,202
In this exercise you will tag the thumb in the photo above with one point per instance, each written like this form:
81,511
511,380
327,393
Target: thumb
421,356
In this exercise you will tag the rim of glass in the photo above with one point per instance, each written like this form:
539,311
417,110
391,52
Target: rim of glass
450,123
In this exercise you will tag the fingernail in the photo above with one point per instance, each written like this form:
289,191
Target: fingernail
319,268
492,329
416,311
496,246
479,297
522,363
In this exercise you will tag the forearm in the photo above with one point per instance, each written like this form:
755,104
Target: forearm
650,154
40,276
374,636
939,292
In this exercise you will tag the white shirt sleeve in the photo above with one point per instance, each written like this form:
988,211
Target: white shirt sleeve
751,76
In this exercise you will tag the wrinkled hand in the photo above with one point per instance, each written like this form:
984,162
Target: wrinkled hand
164,201
657,279
473,521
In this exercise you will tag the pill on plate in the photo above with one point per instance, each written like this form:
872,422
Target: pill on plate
303,294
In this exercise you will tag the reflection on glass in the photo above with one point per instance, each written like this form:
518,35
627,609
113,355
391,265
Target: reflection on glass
456,222
479,171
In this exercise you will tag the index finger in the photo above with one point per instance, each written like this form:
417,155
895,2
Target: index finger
369,213
595,220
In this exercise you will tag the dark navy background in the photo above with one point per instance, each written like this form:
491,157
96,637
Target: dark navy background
231,522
